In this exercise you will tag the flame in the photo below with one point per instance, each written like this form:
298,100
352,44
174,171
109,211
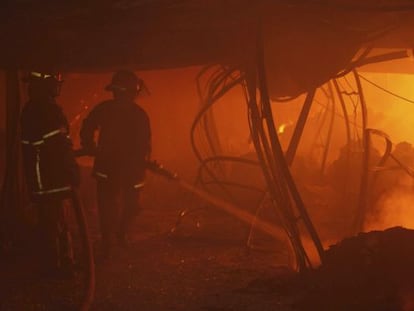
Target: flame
281,128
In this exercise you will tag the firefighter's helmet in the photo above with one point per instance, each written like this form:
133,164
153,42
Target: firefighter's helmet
42,83
124,81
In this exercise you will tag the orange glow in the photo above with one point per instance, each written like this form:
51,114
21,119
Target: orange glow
394,116
387,112
281,128
395,208
172,107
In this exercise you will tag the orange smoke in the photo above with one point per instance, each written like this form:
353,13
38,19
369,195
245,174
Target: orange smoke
391,114
395,208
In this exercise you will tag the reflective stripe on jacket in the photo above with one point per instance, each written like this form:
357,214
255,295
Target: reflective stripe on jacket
49,163
124,140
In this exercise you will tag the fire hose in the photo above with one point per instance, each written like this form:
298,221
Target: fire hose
158,169
87,246
86,243
225,206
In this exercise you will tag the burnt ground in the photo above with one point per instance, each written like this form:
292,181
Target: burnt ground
205,265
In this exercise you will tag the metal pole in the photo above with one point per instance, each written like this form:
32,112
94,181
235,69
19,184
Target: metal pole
300,125
12,187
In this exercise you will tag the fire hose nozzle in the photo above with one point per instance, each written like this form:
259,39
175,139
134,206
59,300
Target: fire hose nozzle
159,169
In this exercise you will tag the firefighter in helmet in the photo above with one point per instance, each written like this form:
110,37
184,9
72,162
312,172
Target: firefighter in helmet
121,152
50,168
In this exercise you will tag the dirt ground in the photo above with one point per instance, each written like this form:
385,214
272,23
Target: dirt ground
205,265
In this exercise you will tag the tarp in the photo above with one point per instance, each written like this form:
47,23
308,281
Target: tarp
306,41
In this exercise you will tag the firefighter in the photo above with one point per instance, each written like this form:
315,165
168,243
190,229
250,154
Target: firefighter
121,152
50,168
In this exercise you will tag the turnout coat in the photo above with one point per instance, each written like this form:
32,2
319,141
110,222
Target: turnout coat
49,163
124,142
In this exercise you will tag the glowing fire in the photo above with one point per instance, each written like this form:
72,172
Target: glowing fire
282,128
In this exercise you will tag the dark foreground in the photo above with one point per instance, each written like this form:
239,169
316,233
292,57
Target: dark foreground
205,265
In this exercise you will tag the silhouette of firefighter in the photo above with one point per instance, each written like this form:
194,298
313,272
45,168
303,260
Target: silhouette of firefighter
121,152
50,168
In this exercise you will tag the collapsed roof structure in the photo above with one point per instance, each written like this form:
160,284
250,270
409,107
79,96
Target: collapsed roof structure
306,42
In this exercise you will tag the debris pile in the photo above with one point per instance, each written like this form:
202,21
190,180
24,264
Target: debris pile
371,271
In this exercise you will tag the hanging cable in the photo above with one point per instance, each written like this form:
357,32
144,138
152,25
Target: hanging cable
386,91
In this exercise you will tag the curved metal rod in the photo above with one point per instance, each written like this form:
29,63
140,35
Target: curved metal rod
210,130
347,124
330,130
198,118
300,125
256,216
365,161
266,161
405,168
363,189
365,185
255,125
384,158
317,135
279,156
205,108
353,64
206,161
222,183
216,79
363,103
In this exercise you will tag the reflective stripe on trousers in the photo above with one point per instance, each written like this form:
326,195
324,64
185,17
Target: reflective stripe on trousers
56,190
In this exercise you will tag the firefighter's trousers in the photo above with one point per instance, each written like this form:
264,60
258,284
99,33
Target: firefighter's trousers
118,206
